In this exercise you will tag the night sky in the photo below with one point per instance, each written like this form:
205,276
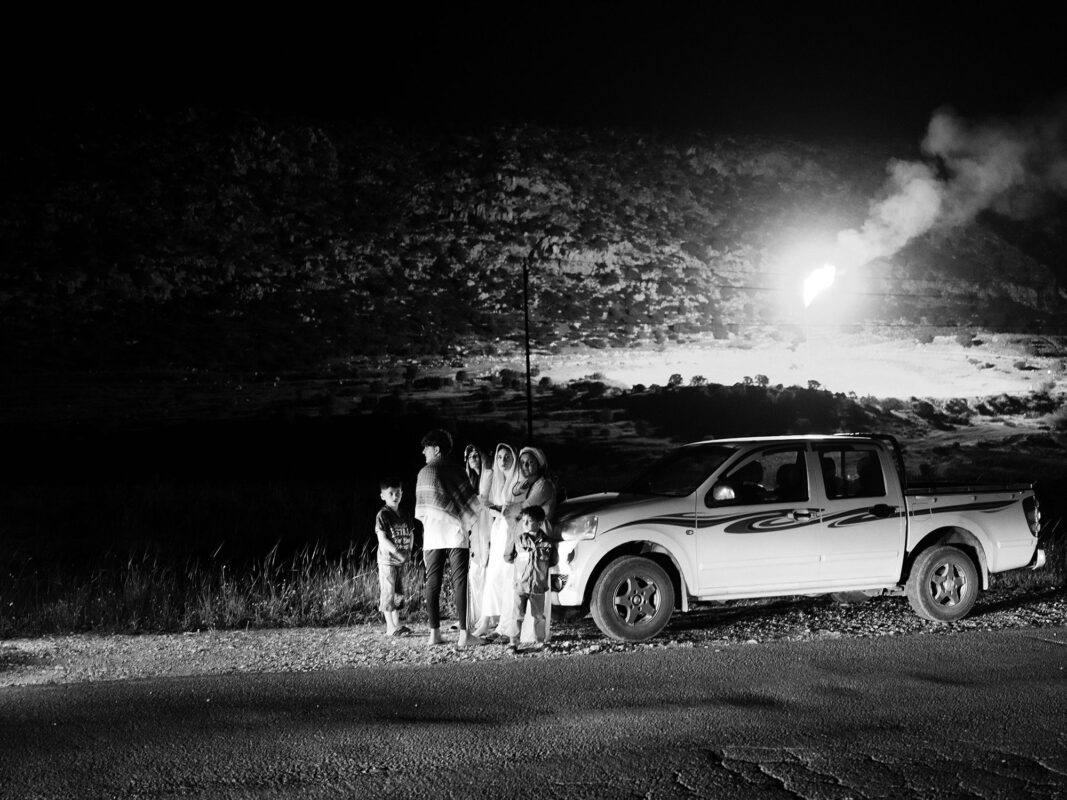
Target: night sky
822,70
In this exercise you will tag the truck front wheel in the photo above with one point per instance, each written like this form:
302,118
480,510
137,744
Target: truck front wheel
632,599
943,584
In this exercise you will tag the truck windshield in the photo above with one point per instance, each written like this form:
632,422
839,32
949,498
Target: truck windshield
681,471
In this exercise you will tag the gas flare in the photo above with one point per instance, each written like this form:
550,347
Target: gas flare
817,281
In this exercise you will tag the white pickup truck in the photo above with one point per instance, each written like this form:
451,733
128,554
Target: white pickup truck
790,515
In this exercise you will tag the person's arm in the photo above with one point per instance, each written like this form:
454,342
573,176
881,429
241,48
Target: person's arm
543,493
385,544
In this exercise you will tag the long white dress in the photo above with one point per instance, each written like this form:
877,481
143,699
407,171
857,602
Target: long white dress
498,593
482,480
476,572
498,596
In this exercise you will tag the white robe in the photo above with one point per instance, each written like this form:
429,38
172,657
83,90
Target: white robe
498,595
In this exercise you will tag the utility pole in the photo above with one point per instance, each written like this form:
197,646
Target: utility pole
526,320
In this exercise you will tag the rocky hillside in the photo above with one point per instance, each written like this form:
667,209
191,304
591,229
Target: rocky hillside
229,242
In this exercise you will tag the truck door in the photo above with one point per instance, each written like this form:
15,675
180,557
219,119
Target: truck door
863,524
757,529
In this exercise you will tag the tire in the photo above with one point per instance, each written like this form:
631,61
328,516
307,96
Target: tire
632,599
943,584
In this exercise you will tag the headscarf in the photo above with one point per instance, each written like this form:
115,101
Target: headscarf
539,457
503,481
483,479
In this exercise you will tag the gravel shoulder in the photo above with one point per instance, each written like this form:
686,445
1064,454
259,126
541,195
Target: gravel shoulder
91,657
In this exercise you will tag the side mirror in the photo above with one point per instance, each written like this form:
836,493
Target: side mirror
723,492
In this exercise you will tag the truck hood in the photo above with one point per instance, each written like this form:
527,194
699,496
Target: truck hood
598,503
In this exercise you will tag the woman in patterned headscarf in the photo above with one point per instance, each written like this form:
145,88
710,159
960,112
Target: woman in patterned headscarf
534,488
480,474
497,594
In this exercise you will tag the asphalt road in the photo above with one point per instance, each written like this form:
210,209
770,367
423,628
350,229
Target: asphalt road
979,714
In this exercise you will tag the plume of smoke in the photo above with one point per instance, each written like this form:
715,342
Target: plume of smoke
1006,166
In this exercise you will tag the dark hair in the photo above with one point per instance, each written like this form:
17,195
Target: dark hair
389,482
536,513
438,438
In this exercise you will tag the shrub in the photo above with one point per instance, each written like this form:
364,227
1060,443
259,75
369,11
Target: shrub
148,592
924,409
1058,419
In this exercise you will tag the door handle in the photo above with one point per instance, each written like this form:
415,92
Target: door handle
804,513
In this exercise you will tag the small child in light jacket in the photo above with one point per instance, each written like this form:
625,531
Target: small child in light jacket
533,553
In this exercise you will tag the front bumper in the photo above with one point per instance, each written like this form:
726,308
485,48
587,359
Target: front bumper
564,578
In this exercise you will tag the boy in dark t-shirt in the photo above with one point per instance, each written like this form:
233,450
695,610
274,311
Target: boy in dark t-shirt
395,529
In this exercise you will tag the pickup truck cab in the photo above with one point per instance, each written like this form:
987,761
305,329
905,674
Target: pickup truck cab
792,515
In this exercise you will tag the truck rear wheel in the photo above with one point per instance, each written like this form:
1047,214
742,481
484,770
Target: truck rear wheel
943,584
632,599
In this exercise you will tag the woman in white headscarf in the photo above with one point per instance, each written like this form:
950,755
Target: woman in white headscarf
499,589
480,474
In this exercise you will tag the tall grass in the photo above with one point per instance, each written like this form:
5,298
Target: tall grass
145,593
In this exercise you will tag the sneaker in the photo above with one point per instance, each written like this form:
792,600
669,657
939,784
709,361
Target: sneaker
513,644
403,630
435,637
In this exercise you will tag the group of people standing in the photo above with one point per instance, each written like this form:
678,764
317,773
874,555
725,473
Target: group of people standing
491,520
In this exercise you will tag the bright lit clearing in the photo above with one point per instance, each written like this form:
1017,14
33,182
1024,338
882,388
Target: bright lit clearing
818,280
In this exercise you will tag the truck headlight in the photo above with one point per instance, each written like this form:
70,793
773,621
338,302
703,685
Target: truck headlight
583,527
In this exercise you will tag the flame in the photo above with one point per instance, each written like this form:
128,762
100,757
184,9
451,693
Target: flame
818,280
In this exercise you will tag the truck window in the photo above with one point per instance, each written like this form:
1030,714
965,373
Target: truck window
769,476
681,471
851,471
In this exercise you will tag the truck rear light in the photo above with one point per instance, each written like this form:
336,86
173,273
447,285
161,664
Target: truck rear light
1033,514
